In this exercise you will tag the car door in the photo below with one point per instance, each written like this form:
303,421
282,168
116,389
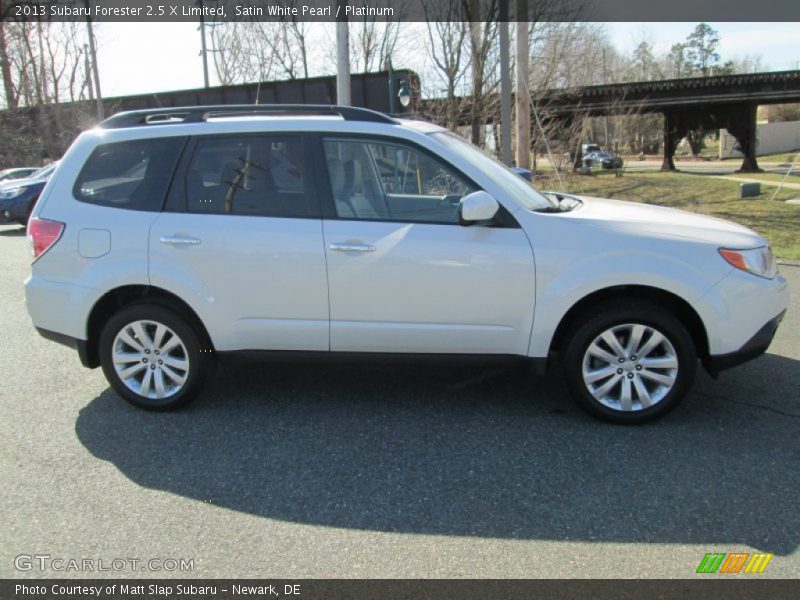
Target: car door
403,275
241,241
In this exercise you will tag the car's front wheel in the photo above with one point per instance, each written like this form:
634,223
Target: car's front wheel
152,357
630,362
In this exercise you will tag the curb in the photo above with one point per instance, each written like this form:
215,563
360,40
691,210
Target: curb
789,263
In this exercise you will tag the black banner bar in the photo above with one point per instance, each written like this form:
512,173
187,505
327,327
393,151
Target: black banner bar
402,10
709,587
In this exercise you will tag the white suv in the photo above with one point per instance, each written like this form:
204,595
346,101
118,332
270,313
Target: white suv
167,238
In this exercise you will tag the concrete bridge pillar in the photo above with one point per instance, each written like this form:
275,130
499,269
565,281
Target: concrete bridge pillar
742,125
674,130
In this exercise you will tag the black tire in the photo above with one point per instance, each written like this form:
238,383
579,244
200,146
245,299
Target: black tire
618,313
195,350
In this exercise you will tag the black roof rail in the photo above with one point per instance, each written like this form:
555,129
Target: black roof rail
198,114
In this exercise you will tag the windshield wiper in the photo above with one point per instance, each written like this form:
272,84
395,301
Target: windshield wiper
551,209
564,203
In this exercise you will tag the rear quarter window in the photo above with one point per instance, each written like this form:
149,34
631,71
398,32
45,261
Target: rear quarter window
134,175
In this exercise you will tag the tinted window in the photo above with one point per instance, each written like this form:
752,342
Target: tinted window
133,175
250,175
387,181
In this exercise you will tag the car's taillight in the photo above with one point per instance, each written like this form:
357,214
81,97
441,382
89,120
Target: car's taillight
42,234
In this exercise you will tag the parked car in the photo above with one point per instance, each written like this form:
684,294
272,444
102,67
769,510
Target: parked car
589,148
604,160
18,173
170,238
17,197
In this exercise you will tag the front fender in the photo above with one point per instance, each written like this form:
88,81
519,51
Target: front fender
575,260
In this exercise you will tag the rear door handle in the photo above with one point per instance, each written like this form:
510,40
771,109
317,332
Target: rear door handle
180,240
347,247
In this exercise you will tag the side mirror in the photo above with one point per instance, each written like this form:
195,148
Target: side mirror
477,208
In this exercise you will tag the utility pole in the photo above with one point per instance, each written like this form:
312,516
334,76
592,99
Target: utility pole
523,98
93,51
203,49
505,87
88,72
342,58
605,117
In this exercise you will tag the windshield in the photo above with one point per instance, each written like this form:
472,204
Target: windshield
514,185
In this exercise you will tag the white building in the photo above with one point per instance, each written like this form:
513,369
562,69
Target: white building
772,138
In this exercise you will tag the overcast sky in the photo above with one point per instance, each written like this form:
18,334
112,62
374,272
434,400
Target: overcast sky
137,58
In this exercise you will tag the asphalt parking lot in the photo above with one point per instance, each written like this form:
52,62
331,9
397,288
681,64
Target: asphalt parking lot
406,471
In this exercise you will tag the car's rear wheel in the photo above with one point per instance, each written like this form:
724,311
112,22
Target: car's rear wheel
153,358
630,362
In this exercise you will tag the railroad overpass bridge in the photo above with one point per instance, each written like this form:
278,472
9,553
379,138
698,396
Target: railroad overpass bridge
723,101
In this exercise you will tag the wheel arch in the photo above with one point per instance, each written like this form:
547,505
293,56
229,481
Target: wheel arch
675,304
123,296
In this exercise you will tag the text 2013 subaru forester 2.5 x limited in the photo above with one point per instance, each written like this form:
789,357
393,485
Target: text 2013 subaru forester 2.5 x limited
168,237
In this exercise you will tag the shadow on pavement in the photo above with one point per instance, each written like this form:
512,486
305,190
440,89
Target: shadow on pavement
18,231
466,452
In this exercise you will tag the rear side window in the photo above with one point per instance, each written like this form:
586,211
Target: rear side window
260,175
134,175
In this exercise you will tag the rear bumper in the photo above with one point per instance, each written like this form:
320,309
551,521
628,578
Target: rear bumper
60,308
752,348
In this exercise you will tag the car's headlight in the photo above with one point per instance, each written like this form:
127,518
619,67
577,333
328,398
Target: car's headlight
758,261
12,193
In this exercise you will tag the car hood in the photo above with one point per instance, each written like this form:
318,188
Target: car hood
666,221
11,183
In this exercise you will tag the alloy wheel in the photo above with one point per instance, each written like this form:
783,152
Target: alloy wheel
630,367
150,359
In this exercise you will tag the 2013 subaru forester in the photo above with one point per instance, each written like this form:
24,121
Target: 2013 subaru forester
169,237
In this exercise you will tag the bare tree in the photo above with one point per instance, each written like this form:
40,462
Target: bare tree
255,50
5,70
42,68
446,45
372,43
482,16
776,113
287,44
231,52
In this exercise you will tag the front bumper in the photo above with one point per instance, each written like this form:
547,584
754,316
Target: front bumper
737,308
752,348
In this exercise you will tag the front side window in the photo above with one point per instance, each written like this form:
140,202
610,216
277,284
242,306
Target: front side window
392,182
249,175
134,175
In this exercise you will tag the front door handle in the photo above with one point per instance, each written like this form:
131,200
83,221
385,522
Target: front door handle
348,247
180,240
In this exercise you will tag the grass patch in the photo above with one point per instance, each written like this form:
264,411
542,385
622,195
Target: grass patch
777,221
